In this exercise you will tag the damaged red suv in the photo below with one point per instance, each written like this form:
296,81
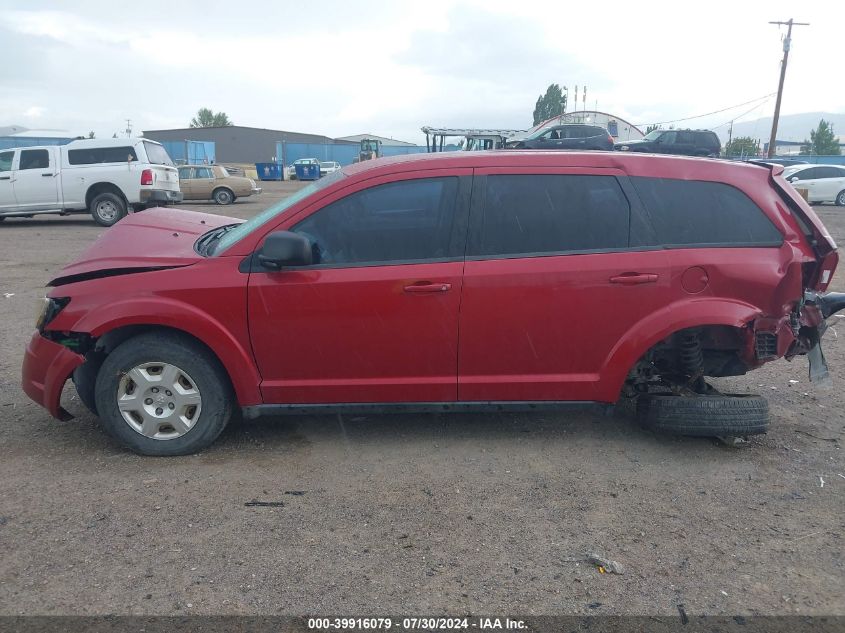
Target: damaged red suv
447,282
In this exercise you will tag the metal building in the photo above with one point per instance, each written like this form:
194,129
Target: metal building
236,143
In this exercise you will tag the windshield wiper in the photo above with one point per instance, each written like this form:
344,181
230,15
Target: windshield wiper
206,243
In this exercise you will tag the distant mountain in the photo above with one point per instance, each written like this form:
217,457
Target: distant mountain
6,130
791,127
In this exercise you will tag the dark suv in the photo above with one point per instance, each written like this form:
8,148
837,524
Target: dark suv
569,136
682,142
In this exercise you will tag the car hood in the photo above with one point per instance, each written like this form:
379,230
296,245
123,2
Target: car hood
639,141
149,240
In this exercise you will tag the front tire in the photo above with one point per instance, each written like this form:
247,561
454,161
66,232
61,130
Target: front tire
163,394
704,415
840,199
107,209
223,196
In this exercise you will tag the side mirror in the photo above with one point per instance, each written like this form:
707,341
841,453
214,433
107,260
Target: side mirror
284,248
792,178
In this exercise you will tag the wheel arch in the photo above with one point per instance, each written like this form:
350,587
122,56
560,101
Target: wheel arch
103,187
660,325
121,321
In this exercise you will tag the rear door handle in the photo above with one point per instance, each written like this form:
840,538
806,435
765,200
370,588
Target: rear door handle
428,286
5,177
48,175
632,279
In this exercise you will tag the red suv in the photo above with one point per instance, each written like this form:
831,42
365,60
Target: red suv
447,282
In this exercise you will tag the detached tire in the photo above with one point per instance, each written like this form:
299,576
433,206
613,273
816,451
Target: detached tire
107,209
163,394
704,416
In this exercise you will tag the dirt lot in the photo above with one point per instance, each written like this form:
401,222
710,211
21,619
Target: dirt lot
418,513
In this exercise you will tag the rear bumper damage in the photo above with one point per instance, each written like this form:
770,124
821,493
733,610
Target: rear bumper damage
799,333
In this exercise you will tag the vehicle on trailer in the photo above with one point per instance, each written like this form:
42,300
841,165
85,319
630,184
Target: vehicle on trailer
106,178
446,282
214,182
579,136
474,139
824,183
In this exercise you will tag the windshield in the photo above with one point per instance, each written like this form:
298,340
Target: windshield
156,154
242,230
651,136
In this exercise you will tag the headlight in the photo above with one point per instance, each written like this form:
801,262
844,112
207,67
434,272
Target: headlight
47,310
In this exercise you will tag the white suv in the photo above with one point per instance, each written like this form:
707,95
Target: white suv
104,177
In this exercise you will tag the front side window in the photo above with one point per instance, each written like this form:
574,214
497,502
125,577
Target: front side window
692,213
6,160
403,221
184,173
34,159
668,137
552,214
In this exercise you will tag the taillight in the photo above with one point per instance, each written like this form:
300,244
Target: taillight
826,269
147,177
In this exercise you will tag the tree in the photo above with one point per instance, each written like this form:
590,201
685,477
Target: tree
550,104
743,146
91,134
207,118
823,141
651,128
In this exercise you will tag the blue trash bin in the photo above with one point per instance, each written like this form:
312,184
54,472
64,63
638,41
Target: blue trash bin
307,170
269,171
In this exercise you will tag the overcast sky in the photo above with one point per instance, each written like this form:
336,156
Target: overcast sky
387,68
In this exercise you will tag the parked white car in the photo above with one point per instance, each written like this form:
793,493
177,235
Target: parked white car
824,183
329,167
105,177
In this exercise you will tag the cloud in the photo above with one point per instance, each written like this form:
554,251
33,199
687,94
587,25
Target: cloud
34,112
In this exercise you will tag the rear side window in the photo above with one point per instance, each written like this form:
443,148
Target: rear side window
100,155
156,154
689,213
549,214
409,220
34,159
6,160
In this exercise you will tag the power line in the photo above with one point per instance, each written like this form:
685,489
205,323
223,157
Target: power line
756,107
699,116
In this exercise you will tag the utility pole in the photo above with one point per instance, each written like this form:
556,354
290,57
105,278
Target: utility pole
787,43
730,138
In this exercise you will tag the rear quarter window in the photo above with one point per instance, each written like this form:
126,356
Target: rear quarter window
692,213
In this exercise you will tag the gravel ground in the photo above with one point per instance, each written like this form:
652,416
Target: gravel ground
413,514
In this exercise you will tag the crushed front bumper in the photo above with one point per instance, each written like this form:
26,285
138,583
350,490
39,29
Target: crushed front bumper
46,368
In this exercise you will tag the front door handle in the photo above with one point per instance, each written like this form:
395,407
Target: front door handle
428,286
5,177
633,279
48,175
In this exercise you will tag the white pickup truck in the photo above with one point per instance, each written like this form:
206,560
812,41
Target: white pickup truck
105,177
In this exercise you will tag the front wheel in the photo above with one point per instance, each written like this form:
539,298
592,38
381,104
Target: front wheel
107,209
163,394
840,199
